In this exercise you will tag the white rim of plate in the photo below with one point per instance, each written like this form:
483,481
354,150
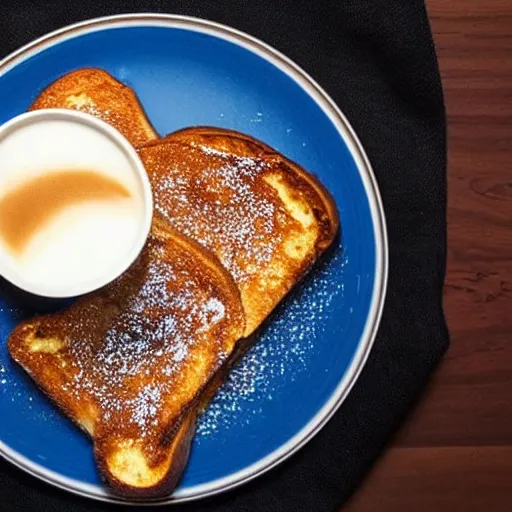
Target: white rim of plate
338,119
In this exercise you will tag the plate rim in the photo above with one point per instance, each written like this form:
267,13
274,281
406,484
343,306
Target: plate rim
348,135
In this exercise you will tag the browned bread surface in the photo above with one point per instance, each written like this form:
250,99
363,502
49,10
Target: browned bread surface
96,92
130,364
265,218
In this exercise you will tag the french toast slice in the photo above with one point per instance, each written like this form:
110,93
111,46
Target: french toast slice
96,92
265,217
132,363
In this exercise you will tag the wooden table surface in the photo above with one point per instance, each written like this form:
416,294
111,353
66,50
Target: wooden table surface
455,451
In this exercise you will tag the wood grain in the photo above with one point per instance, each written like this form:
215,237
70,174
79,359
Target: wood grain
455,452
469,479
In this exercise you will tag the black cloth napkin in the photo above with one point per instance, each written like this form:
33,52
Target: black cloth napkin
376,59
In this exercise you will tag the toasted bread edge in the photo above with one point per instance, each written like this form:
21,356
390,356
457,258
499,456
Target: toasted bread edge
180,434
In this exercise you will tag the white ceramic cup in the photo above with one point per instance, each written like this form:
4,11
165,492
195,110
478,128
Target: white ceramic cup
125,258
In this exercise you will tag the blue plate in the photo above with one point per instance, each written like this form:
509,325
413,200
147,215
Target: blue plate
192,72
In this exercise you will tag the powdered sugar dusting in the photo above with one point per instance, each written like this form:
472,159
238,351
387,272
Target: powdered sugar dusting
146,406
3,376
226,213
149,341
281,354
135,359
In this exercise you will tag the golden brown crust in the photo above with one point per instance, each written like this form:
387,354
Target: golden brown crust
96,92
130,363
221,188
236,143
217,138
181,450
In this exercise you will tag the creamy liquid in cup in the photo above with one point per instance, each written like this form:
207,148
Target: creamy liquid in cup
71,204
